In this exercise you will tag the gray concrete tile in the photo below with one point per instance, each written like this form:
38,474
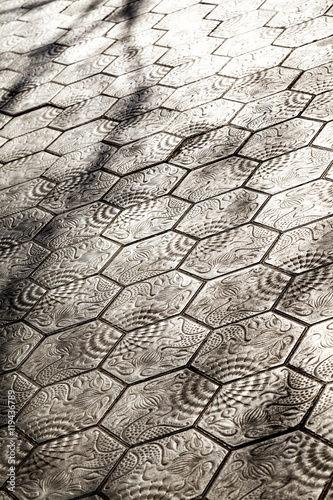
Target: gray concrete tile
221,212
148,258
229,251
74,262
72,303
185,391
199,452
18,340
98,389
281,397
145,185
146,219
96,449
247,347
133,307
286,454
85,347
155,349
250,294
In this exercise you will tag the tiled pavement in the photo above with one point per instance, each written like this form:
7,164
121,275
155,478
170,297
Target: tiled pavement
166,229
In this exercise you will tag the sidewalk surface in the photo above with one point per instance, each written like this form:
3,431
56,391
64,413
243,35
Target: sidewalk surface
166,229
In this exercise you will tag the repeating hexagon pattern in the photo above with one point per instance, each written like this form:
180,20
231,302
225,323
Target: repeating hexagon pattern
166,261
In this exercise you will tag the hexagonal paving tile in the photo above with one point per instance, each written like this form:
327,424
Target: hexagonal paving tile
158,467
262,84
242,23
271,110
77,190
206,148
18,340
188,32
83,69
146,219
67,406
27,144
20,261
139,101
307,32
84,49
289,170
149,258
194,68
155,349
23,390
142,78
237,296
22,196
229,251
280,139
82,136
258,60
93,449
321,107
298,206
316,80
222,212
142,23
83,112
141,126
247,347
313,54
76,225
176,19
29,122
72,303
144,185
25,168
240,44
308,297
314,355
278,399
320,419
324,139
70,353
143,411
198,93
261,469
134,308
74,262
143,153
17,298
133,60
182,53
215,178
22,448
82,161
203,118
82,90
17,228
31,97
304,248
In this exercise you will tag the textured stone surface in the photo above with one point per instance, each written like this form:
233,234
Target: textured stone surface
133,307
247,347
221,212
166,173
249,291
155,349
279,399
157,466
297,455
143,411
